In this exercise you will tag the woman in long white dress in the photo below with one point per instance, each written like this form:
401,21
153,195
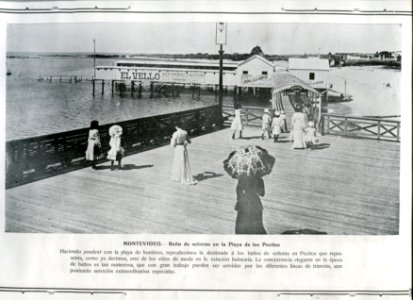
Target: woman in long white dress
94,147
181,170
298,123
236,124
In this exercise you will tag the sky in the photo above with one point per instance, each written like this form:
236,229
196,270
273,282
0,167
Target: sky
157,37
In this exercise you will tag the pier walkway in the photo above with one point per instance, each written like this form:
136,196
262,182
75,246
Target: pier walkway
350,186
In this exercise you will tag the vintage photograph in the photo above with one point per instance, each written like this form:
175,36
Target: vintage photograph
203,128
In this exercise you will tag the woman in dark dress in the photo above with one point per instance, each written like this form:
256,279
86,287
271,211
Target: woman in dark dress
249,206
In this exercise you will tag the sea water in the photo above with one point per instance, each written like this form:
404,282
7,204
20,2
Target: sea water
36,107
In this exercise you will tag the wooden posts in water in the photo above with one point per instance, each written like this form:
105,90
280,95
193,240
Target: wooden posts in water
140,90
103,87
173,90
235,94
132,87
151,87
113,83
93,84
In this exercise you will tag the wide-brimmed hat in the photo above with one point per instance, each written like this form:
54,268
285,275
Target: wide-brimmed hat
283,112
311,124
277,113
266,110
115,129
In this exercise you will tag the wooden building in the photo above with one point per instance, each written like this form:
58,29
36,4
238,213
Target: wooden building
312,70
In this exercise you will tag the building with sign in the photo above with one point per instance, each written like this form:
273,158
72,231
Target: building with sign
254,78
255,71
251,72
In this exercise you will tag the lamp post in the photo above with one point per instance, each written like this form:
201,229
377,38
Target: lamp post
221,39
94,59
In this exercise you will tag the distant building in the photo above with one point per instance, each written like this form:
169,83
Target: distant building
312,70
385,56
255,69
397,56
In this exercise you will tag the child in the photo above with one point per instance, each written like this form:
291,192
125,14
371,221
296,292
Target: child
283,122
276,126
310,136
94,147
116,151
266,123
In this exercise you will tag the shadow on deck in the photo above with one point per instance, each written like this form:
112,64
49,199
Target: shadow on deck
349,187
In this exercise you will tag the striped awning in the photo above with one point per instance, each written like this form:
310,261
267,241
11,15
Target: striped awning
284,81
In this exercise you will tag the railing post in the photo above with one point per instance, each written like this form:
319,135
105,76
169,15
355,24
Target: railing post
345,126
328,125
378,130
398,132
322,125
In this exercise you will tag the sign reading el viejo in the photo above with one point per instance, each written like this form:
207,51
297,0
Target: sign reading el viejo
133,75
163,76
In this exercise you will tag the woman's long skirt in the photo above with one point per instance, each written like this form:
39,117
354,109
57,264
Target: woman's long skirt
181,170
298,136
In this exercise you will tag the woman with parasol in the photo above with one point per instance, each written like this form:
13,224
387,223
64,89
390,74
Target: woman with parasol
181,170
116,152
249,164
94,147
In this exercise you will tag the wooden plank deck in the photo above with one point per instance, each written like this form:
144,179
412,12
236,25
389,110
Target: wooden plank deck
349,187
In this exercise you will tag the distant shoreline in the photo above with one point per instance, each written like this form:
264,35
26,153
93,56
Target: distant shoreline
205,56
386,64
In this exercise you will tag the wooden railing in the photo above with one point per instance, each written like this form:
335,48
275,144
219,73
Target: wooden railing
252,116
35,158
360,127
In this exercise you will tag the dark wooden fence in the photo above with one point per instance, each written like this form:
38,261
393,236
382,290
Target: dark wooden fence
35,158
360,127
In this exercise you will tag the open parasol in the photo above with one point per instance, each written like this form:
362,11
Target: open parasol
115,129
249,160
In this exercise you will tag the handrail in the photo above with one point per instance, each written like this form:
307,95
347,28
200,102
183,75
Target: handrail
360,118
34,158
360,127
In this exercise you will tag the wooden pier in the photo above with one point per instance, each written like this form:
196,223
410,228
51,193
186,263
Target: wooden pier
348,186
64,78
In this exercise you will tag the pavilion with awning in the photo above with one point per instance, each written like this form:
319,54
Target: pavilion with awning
288,91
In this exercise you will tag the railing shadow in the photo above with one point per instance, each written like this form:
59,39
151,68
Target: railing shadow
206,175
36,158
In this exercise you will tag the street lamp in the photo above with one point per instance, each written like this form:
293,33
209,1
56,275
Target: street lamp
221,39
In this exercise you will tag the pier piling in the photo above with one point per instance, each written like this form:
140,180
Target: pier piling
140,90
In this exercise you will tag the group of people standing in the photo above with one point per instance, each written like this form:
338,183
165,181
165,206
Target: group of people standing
181,170
94,146
275,126
303,133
